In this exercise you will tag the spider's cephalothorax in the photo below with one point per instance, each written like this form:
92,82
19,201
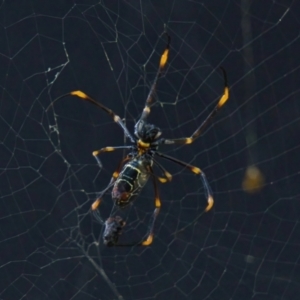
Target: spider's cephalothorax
137,167
148,133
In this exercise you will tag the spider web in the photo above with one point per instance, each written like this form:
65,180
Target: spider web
247,246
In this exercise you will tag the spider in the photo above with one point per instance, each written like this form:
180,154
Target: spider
137,167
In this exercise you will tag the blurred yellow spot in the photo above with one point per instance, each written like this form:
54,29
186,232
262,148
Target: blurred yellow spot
253,180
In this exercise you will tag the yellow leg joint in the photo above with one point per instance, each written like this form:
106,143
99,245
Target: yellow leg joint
164,58
210,203
196,170
79,94
224,98
148,241
168,175
157,202
106,149
96,204
115,175
188,141
162,179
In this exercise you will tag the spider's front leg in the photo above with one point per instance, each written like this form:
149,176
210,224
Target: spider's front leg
96,153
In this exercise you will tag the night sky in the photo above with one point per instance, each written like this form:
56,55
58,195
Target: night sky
247,246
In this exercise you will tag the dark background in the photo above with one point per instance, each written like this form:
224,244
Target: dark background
247,246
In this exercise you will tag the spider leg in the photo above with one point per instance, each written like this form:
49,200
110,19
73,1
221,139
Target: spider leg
197,171
107,149
157,204
95,205
167,176
87,98
162,63
197,133
117,225
97,202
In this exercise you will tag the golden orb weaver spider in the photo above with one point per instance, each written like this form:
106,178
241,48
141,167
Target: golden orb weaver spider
135,169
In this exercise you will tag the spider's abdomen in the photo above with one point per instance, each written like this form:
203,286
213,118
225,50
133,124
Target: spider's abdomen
131,180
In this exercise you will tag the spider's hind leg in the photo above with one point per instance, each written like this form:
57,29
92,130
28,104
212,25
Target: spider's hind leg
197,171
157,204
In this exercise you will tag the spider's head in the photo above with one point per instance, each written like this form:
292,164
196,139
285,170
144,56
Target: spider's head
146,132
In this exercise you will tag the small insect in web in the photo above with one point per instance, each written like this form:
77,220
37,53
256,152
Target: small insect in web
137,167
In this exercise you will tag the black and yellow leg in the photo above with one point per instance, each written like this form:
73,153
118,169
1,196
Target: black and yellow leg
157,204
167,176
97,202
96,153
197,171
87,98
95,205
199,130
162,64
148,241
